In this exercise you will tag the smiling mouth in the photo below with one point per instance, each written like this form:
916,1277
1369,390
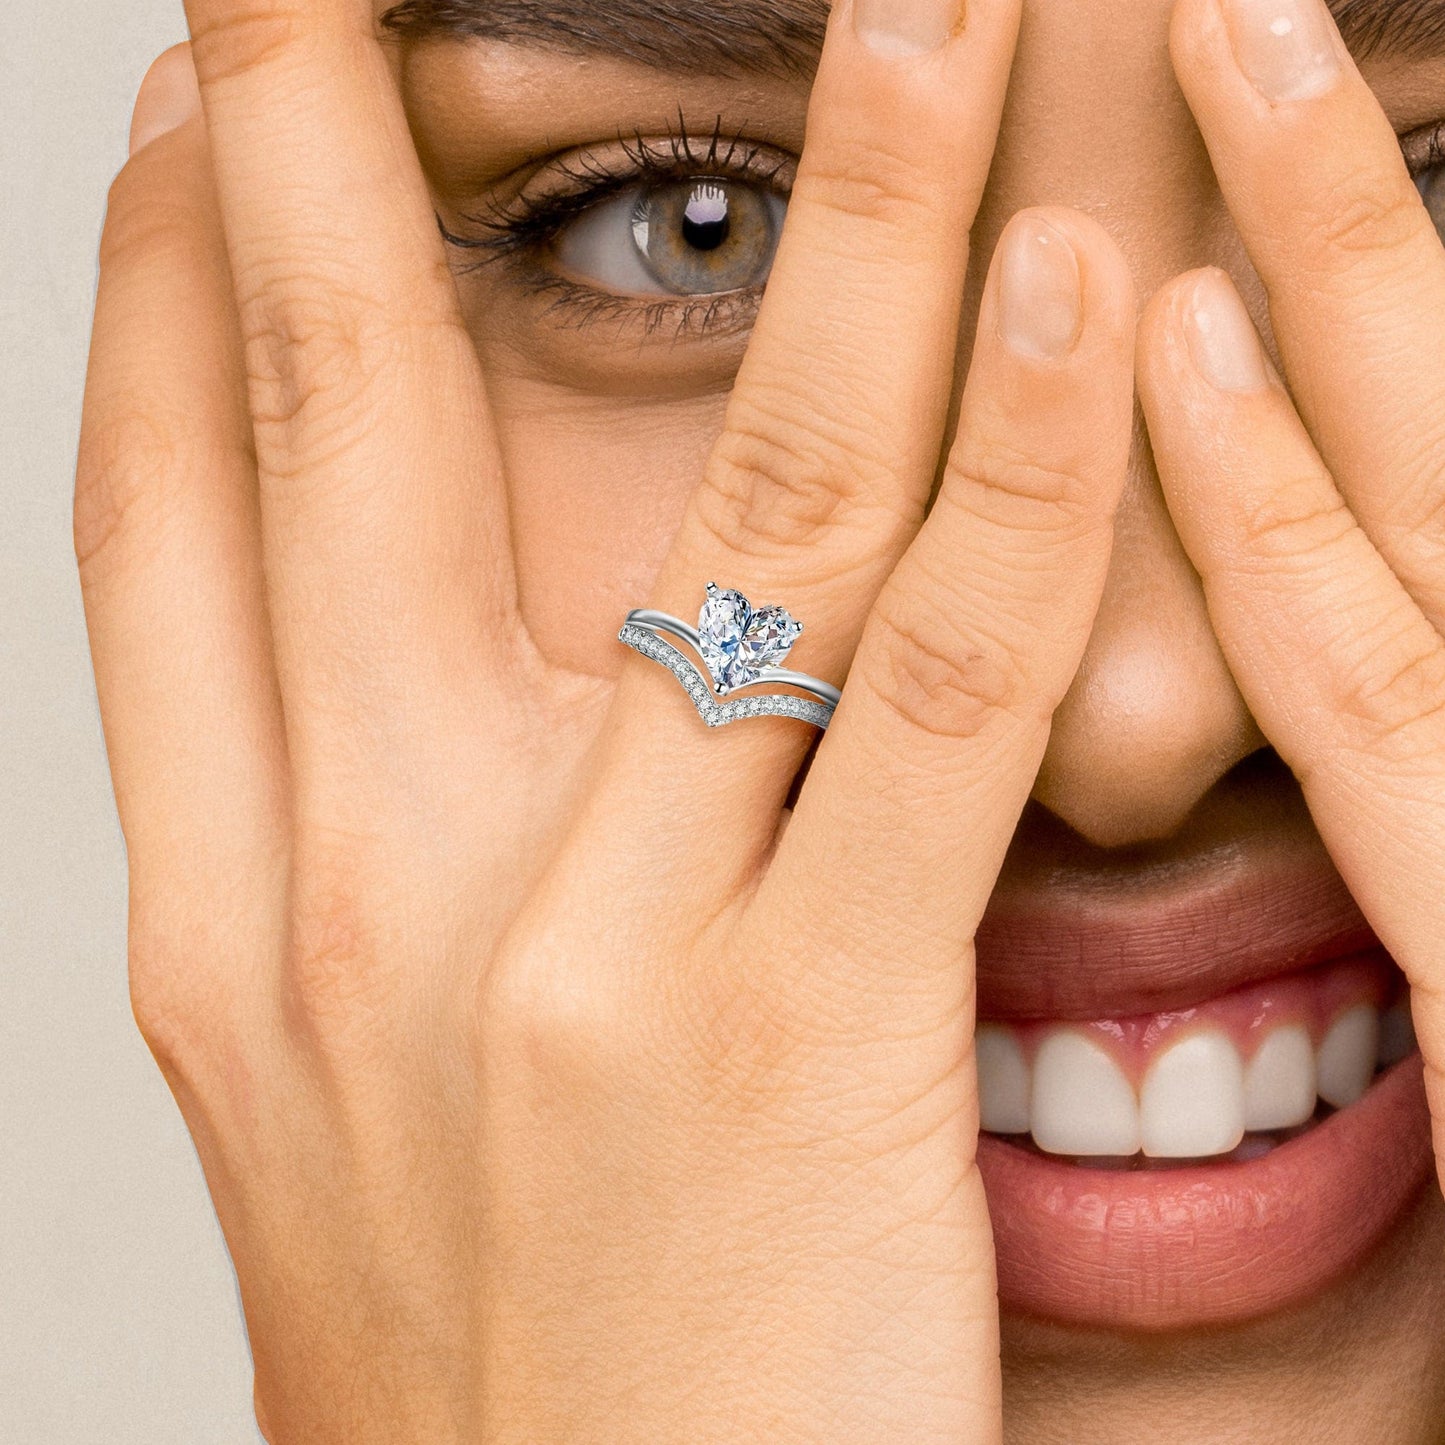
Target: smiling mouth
1232,1078
1197,1080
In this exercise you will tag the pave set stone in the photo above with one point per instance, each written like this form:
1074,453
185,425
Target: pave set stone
713,713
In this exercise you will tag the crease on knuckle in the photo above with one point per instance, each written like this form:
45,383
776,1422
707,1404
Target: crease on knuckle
774,488
311,363
143,227
751,1045
1014,491
127,464
1398,693
246,39
862,180
1367,216
1294,519
937,678
1419,512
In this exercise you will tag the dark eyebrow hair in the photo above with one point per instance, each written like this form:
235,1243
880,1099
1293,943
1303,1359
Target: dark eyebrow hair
1411,29
714,37
783,37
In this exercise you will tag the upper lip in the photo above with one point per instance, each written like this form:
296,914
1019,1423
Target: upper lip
1244,893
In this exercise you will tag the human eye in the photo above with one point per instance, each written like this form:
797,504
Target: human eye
671,234
1425,155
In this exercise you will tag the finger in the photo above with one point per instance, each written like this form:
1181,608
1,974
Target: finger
166,526
1342,670
1355,272
835,427
384,524
903,822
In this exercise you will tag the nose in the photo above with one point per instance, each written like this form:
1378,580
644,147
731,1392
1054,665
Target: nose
1154,718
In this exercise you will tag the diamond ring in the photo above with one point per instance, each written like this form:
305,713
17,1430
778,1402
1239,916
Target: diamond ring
738,647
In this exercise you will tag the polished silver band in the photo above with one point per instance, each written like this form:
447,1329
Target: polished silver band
648,633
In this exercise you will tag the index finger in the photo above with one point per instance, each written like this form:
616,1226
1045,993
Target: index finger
1355,272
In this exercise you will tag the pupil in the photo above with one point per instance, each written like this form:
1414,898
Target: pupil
705,222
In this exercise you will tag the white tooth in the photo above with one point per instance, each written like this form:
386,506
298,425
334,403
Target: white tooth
1279,1081
1347,1056
1397,1034
1082,1102
1192,1102
1003,1081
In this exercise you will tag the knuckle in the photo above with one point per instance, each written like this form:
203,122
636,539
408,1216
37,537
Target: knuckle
1398,691
865,180
1295,518
311,360
775,486
127,464
1006,487
175,999
245,39
550,1024
933,675
748,1044
1367,215
344,982
142,226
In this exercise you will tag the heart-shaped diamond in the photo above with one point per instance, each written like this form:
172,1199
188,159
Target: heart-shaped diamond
738,642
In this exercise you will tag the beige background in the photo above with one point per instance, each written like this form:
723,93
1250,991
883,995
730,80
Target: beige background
119,1323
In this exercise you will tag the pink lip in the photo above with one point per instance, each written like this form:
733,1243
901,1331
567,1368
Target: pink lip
1217,1243
1072,952
1246,893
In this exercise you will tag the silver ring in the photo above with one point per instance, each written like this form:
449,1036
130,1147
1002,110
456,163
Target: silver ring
737,647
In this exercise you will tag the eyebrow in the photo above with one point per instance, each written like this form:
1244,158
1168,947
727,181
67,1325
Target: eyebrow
783,37
685,37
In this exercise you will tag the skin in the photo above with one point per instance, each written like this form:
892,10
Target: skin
499,1151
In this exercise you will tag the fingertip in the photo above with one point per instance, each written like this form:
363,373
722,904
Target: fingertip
1110,290
1160,320
1060,289
1194,27
1110,295
170,95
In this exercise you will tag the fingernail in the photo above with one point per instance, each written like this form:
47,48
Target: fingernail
169,96
1286,48
900,28
1040,297
1223,343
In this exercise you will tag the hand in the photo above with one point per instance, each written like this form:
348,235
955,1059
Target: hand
1314,514
543,1091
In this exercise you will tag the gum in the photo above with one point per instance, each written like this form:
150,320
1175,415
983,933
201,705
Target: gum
1314,998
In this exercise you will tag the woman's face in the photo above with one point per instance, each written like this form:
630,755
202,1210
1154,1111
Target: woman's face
611,303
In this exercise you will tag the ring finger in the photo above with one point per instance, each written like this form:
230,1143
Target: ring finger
835,426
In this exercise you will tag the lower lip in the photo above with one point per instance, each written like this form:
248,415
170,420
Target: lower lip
1207,1244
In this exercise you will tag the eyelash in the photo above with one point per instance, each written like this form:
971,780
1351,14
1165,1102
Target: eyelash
521,230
